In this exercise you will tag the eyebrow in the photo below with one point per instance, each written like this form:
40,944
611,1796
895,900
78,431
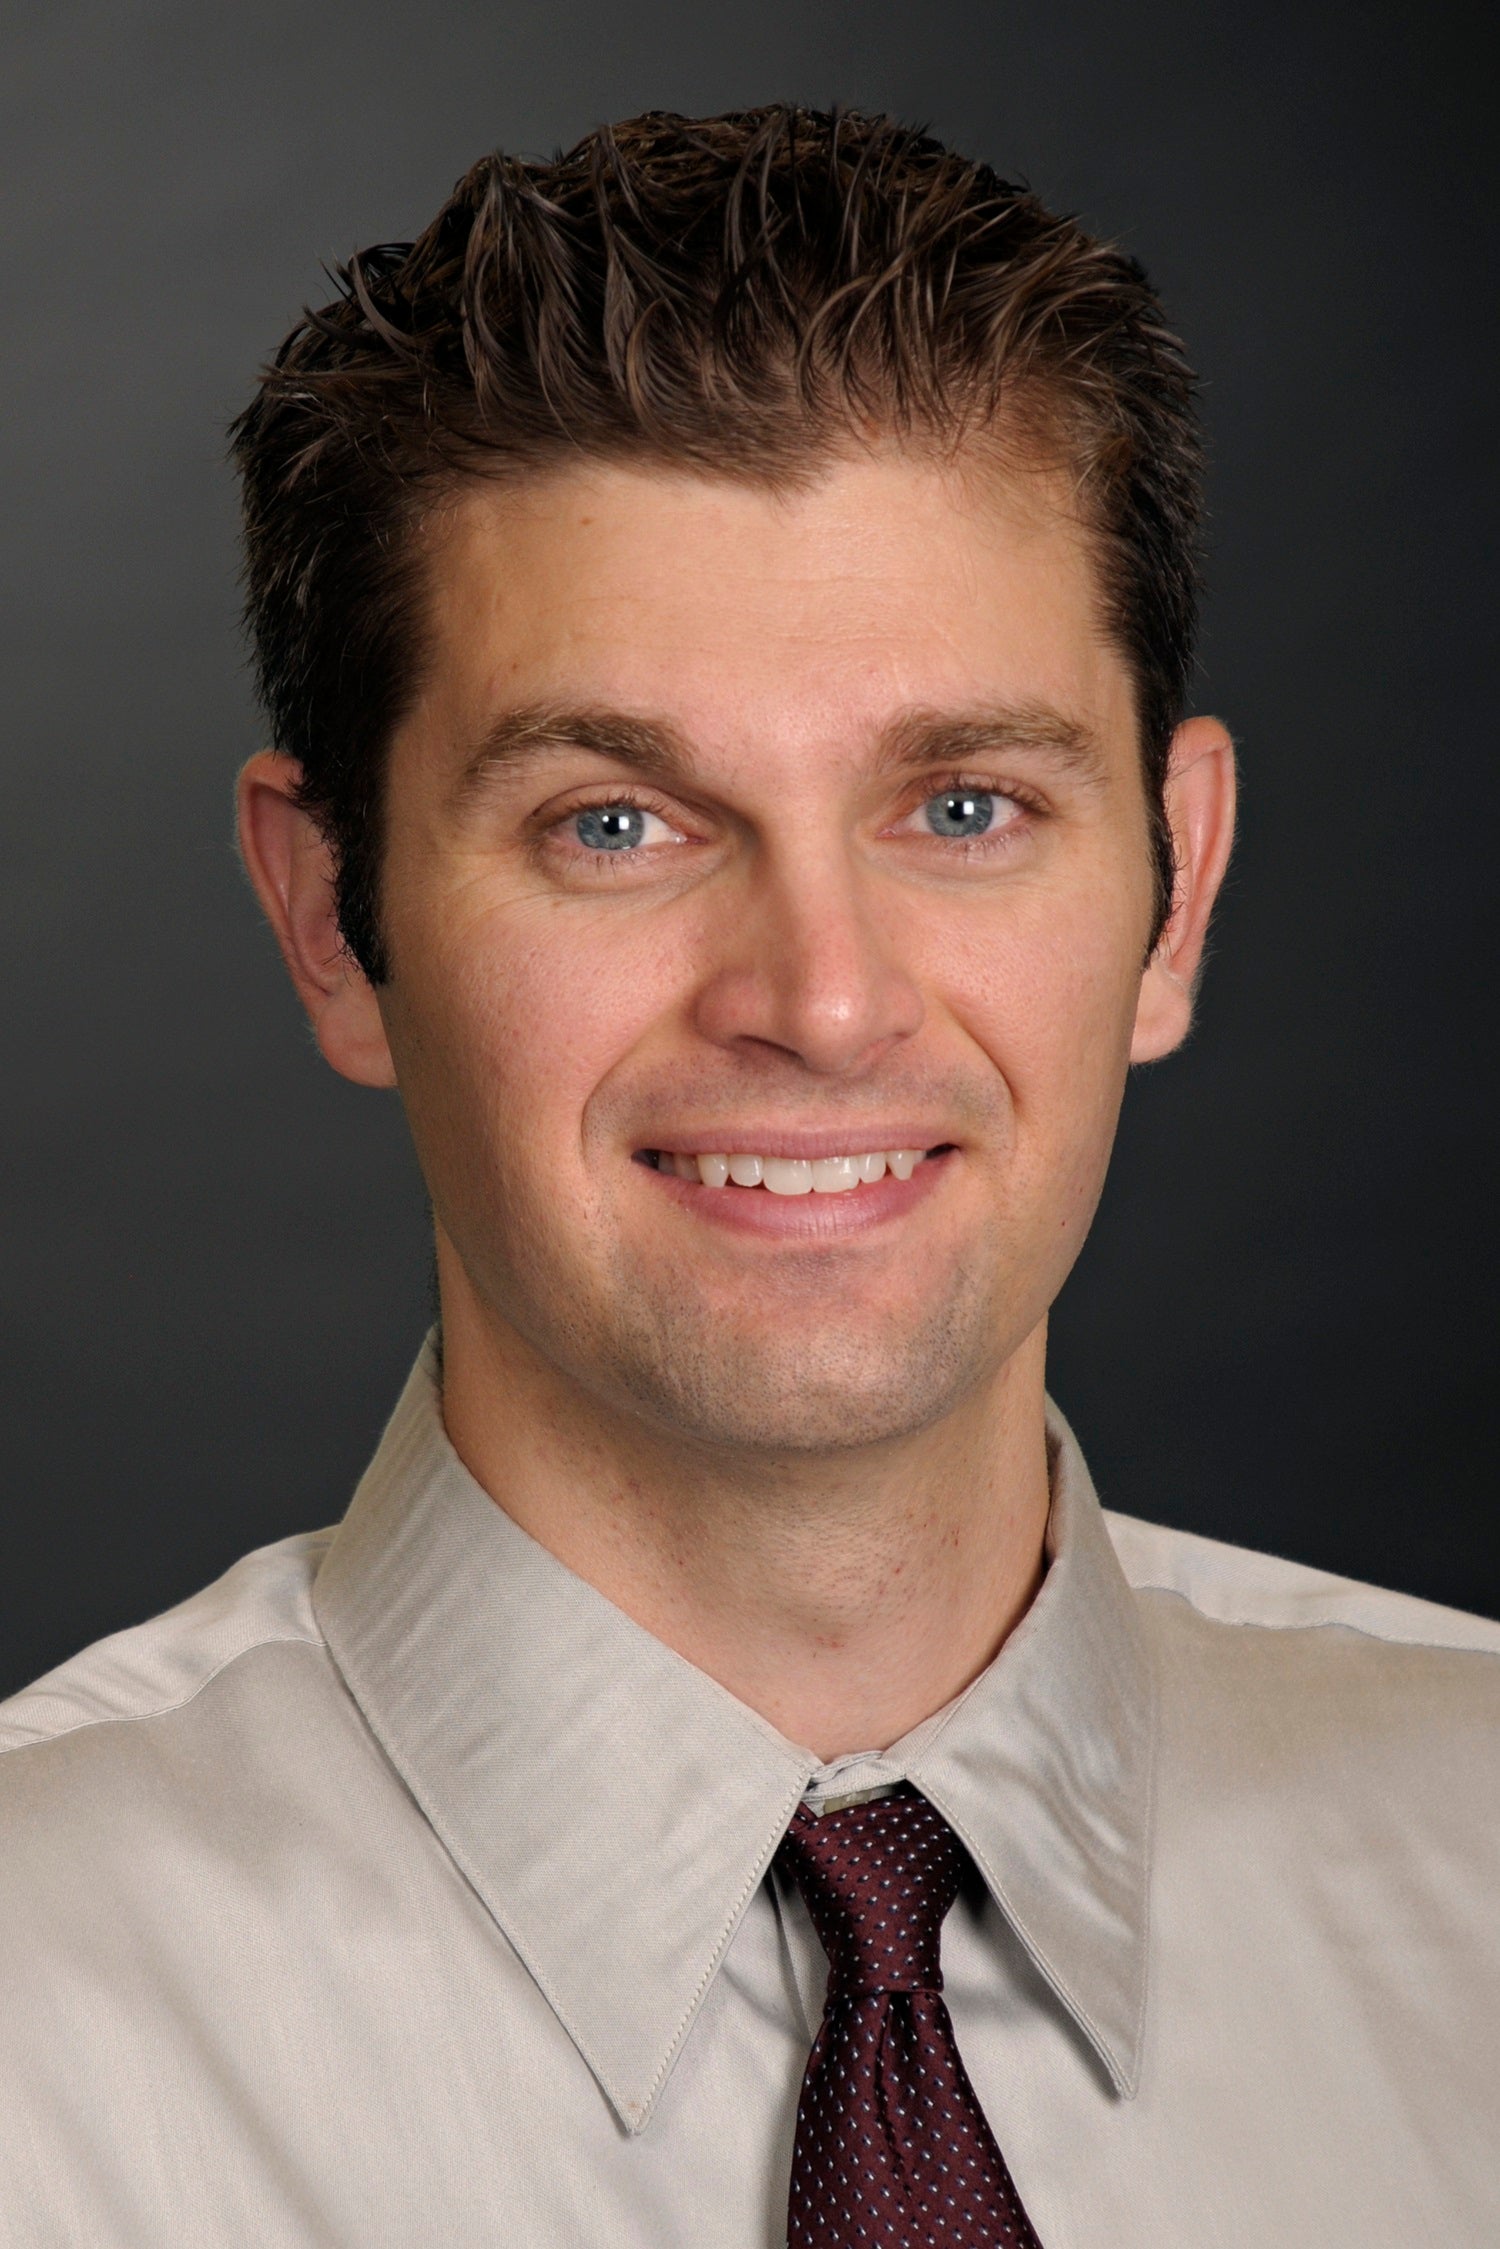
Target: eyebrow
1034,730
517,738
915,740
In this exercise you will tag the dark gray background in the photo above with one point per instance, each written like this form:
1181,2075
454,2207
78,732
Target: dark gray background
214,1265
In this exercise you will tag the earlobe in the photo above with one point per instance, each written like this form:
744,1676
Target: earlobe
291,870
1199,799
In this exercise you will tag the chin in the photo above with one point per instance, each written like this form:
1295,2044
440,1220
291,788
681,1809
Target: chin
797,1397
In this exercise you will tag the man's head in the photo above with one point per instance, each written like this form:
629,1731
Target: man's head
726,601
738,296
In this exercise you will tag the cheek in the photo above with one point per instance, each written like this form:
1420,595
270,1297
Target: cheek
528,1009
1049,995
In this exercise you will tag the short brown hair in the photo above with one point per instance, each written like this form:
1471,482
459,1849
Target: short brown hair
737,295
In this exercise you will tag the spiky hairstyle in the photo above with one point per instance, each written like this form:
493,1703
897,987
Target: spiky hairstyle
741,296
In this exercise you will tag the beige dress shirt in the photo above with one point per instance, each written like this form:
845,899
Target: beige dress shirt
398,1890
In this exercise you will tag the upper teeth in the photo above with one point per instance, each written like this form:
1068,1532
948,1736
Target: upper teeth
796,1175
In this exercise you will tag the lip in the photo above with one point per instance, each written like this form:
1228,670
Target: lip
807,1219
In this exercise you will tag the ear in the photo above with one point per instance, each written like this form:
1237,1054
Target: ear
292,870
1199,799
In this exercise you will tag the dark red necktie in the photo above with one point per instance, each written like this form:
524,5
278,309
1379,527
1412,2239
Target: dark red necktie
892,2146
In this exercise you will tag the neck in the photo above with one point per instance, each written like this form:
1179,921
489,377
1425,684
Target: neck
844,1596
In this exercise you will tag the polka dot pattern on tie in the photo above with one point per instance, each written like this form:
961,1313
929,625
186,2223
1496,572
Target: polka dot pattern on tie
893,2150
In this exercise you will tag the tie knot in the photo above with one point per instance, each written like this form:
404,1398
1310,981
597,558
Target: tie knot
878,1879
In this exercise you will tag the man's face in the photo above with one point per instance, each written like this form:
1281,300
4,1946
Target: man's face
793,828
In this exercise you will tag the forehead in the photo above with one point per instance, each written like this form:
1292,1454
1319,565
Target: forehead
890,582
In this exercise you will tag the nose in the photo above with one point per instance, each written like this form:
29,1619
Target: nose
810,969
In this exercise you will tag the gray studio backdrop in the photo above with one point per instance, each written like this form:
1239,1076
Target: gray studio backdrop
214,1267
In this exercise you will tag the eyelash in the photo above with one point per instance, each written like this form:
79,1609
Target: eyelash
947,784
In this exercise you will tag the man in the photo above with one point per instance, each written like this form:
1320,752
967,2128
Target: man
725,603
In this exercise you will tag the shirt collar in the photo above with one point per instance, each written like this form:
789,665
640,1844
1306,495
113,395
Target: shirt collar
615,1809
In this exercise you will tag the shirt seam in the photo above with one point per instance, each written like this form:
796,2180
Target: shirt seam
1316,1624
166,1709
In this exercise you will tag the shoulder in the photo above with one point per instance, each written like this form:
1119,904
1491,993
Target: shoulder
158,1668
1333,1706
144,1779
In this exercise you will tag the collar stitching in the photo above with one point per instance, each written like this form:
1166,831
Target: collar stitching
1122,2078
767,1853
1148,1866
369,1707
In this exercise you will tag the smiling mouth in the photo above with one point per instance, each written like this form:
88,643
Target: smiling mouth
791,1175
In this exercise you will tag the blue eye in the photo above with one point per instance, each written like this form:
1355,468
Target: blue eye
960,812
610,827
